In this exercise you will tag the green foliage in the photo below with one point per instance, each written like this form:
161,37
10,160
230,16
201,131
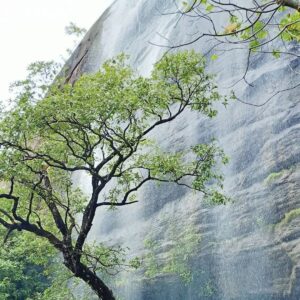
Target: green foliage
277,176
290,26
274,177
268,22
208,290
254,34
31,269
23,265
183,243
40,75
73,29
111,260
214,57
69,116
276,53
191,4
257,32
101,125
259,29
289,216
62,284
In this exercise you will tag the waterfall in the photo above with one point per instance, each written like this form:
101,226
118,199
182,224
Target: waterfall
246,251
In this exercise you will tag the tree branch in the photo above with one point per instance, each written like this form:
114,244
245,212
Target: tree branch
295,4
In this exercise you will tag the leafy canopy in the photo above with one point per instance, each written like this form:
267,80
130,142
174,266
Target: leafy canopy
254,24
21,267
101,126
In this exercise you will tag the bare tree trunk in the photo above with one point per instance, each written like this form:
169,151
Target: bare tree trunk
98,286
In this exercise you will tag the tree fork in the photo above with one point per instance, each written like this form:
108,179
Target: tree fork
83,272
295,4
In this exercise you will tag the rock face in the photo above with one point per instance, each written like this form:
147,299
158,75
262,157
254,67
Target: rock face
249,249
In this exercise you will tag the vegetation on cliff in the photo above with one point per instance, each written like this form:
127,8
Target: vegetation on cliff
100,126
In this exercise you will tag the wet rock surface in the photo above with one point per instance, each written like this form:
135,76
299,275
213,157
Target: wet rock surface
249,249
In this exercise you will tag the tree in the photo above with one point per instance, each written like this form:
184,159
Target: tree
31,269
100,126
255,27
21,268
77,32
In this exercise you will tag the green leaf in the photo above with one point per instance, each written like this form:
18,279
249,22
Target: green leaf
276,53
209,7
214,57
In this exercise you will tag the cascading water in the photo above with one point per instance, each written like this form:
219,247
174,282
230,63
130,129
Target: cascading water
248,250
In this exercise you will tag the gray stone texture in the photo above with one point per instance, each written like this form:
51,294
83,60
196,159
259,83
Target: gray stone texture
247,252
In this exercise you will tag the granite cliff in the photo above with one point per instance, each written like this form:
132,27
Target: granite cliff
248,249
